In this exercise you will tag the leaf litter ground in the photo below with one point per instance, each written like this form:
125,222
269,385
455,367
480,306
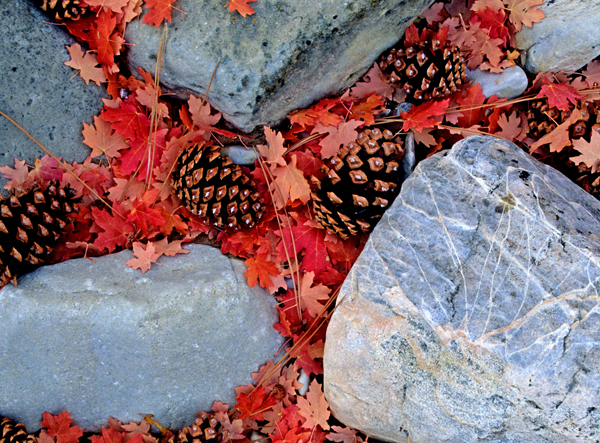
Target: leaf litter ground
128,204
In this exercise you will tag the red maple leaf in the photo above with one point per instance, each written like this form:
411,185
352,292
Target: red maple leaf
114,231
260,270
144,255
367,109
511,126
559,94
45,168
128,121
255,404
138,151
314,407
143,212
159,10
310,238
241,6
471,110
101,39
306,356
59,427
272,152
425,115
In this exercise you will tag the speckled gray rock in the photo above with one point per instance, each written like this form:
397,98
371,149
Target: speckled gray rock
284,57
510,83
38,90
102,340
565,40
472,315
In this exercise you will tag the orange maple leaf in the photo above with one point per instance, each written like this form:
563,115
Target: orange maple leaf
241,6
339,135
86,64
314,407
590,151
290,184
113,5
260,271
159,10
311,296
102,139
511,126
102,38
144,256
560,137
273,151
373,82
524,12
16,175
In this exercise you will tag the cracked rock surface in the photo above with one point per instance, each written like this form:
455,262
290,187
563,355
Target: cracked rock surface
473,313
284,57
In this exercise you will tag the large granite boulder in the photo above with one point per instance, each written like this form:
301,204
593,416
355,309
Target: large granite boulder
102,340
284,57
472,315
39,90
565,40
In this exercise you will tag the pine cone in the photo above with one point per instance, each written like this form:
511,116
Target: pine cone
60,10
361,182
204,429
11,432
542,119
215,189
31,222
426,70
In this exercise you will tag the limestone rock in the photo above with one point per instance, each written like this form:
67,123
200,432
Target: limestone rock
38,91
472,313
284,57
102,340
565,40
510,83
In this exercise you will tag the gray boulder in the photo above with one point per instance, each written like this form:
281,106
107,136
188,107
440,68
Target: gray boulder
565,40
102,340
510,83
472,313
38,91
284,57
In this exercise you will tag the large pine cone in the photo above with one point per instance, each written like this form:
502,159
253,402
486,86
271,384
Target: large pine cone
31,222
60,10
361,182
425,70
11,432
215,189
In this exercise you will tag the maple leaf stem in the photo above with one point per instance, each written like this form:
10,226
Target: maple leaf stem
153,115
270,180
63,165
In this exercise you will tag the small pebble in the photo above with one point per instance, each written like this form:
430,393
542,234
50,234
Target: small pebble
240,155
509,84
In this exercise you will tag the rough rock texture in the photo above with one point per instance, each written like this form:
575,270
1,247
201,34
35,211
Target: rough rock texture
38,90
102,340
473,313
284,57
565,40
509,84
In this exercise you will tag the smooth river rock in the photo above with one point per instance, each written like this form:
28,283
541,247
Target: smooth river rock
565,40
473,313
102,340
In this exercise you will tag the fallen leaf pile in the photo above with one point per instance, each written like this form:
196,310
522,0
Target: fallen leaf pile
134,142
